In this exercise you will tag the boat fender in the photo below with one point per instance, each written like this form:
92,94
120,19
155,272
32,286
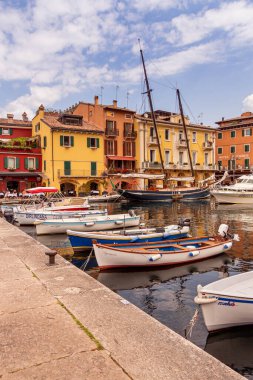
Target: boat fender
89,224
227,246
118,222
194,253
134,238
155,257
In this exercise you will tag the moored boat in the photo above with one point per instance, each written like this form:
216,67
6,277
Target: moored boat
163,253
83,240
228,302
103,198
241,192
91,223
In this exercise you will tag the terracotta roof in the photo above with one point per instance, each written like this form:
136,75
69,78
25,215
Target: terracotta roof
111,107
54,123
13,122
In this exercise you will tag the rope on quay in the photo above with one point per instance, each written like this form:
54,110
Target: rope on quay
83,267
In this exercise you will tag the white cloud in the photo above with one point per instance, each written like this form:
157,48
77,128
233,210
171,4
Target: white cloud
248,103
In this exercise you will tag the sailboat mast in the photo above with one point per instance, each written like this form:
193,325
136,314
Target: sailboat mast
185,132
152,110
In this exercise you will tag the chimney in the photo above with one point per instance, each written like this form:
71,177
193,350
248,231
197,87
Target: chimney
222,119
24,116
96,100
10,117
115,103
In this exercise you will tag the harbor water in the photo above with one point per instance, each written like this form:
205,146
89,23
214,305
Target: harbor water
167,294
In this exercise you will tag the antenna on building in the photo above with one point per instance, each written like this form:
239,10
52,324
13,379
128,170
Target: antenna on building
200,118
101,94
127,97
116,94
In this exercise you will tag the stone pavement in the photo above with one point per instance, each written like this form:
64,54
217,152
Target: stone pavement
56,322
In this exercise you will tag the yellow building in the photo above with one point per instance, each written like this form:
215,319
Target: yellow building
174,146
72,151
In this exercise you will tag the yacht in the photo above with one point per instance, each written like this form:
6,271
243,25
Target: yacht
240,192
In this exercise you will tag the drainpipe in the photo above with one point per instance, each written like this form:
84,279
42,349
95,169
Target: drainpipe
52,153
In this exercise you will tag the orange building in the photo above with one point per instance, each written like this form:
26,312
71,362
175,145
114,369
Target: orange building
234,144
120,136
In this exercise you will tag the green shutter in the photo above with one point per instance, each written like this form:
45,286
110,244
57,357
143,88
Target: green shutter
243,132
67,167
72,140
17,163
93,168
88,142
45,165
250,131
97,143
61,140
26,163
37,163
1,131
45,141
11,131
6,162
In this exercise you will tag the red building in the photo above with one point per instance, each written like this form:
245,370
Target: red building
20,155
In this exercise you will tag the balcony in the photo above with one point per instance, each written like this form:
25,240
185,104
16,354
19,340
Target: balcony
152,141
188,167
111,132
130,135
151,165
207,145
61,173
181,143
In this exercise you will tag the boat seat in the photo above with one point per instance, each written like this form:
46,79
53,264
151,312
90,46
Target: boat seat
179,247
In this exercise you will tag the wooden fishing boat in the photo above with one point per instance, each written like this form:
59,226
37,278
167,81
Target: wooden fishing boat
163,253
81,241
103,198
228,302
91,223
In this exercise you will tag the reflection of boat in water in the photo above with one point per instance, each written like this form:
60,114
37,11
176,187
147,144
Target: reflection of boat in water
234,348
125,279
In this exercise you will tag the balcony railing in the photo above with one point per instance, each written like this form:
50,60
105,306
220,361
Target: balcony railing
151,165
152,140
130,135
187,167
111,132
181,144
78,173
207,145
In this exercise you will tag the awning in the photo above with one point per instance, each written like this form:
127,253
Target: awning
120,158
188,179
42,189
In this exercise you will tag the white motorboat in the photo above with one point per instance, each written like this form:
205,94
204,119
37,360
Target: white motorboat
103,198
172,252
30,217
91,223
240,192
228,302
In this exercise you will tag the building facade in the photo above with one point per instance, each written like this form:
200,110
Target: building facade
174,146
234,145
20,155
72,151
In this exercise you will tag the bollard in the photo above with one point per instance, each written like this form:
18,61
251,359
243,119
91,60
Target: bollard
51,254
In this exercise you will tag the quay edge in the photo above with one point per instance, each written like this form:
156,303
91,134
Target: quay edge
58,322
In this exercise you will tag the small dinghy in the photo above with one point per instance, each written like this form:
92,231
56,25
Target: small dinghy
163,253
228,302
83,240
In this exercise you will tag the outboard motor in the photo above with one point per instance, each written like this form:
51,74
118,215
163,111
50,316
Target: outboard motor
182,222
223,230
9,215
131,213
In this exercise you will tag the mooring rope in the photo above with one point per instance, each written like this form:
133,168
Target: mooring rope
191,324
83,267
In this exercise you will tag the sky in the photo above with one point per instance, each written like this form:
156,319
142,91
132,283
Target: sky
60,52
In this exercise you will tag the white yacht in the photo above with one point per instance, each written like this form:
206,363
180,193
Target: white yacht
240,192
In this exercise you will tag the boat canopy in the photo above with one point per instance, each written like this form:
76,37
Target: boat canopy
37,190
143,176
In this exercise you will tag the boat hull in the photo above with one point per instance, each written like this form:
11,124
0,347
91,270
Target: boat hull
110,257
86,224
82,241
165,196
233,197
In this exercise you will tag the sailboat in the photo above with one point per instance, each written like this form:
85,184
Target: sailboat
166,194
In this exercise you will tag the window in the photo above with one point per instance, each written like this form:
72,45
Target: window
206,159
93,168
181,135
111,128
167,157
219,135
219,150
45,165
232,134
37,127
92,142
194,137
219,165
67,167
66,141
152,130
247,132
31,163
194,158
232,149
110,147
167,134
11,163
152,155
206,137
181,156
45,141
246,163
128,116
128,130
246,148
6,131
128,148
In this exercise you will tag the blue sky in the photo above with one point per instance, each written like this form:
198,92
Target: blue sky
59,52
